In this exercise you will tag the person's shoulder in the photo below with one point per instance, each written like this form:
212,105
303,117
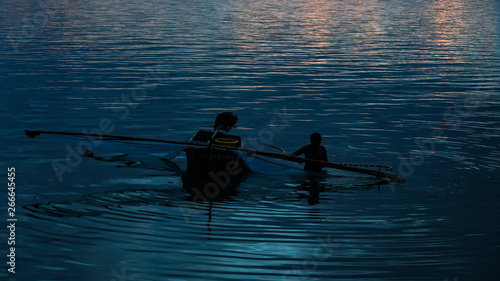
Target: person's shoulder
309,147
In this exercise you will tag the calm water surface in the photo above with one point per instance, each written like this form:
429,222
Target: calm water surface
411,84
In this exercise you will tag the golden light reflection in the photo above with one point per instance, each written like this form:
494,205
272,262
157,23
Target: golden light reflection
313,27
449,20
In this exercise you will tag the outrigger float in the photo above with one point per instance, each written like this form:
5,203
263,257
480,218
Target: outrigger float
217,158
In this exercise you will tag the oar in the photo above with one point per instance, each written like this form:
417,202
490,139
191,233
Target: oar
393,177
33,134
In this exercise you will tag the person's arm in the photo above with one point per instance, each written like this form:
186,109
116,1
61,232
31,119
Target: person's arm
300,151
325,155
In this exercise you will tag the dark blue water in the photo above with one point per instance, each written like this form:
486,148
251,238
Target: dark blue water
411,84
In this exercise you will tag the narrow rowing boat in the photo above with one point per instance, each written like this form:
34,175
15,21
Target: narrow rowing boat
216,160
165,148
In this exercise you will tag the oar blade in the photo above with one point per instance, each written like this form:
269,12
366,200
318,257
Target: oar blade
32,134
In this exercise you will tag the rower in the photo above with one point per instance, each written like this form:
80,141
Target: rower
225,121
313,151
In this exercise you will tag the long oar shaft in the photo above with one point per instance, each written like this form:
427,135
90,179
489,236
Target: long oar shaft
33,134
325,164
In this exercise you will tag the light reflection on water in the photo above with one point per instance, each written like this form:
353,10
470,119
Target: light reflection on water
376,78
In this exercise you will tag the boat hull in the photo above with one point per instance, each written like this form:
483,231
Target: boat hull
212,174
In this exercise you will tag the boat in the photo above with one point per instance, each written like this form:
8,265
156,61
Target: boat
213,172
217,160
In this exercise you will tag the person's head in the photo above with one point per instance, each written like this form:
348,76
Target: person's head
315,139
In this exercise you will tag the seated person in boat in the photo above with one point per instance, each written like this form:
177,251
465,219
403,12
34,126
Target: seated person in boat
313,151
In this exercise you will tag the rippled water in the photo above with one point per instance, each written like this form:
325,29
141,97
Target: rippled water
411,84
